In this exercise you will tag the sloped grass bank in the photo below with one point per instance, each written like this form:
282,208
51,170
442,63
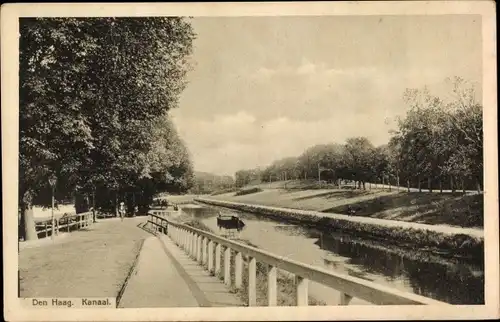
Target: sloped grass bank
431,208
454,244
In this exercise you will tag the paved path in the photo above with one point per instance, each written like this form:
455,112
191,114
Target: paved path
155,281
166,277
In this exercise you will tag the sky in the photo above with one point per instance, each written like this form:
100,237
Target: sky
265,88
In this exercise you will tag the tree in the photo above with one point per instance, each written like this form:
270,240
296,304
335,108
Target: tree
441,139
358,158
90,92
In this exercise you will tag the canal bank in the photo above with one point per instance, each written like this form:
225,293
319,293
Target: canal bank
446,240
452,280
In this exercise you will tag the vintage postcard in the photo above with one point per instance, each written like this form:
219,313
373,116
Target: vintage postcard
250,161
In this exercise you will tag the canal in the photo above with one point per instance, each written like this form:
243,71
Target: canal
450,280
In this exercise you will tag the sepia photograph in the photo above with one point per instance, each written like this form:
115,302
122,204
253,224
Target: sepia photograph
224,160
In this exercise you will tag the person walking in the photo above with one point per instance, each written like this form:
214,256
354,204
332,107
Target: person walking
121,210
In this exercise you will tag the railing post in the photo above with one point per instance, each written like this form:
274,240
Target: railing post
238,273
227,266
252,282
46,230
67,222
198,248
210,256
205,253
272,288
193,245
344,298
301,285
185,238
188,242
217,259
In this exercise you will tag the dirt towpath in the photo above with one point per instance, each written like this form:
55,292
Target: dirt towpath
92,262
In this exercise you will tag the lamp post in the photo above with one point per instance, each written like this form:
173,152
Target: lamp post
52,182
93,204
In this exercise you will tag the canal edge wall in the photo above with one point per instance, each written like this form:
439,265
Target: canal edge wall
460,241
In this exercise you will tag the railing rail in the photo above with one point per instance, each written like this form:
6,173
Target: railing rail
65,222
200,245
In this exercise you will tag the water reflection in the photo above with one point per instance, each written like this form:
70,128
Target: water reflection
444,279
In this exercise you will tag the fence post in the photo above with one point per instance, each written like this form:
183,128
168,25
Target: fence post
344,298
188,242
252,283
193,245
217,259
227,266
210,256
198,248
204,251
271,286
301,285
238,270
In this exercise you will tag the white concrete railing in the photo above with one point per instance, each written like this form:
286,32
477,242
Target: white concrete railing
81,220
200,246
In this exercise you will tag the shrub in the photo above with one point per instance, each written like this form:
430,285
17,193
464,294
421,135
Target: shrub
247,191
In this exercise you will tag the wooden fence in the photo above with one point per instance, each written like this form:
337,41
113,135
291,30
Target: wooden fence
200,245
66,223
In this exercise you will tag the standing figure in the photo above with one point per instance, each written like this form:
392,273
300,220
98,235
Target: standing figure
121,210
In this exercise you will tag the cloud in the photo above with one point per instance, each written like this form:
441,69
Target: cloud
279,112
222,146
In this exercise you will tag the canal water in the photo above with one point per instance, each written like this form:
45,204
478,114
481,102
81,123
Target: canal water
445,279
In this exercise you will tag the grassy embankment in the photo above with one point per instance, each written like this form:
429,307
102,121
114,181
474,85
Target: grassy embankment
428,208
453,209
286,295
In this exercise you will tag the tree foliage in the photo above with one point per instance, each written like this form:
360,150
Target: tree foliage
94,95
437,142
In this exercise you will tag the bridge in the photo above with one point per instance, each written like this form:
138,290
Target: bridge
155,261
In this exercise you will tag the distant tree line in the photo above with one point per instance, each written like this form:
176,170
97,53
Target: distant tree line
94,100
205,183
437,145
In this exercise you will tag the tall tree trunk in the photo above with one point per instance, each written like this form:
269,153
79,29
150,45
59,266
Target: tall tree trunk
452,186
116,204
463,185
478,184
364,187
440,185
397,181
408,184
419,186
389,183
383,183
27,223
429,186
